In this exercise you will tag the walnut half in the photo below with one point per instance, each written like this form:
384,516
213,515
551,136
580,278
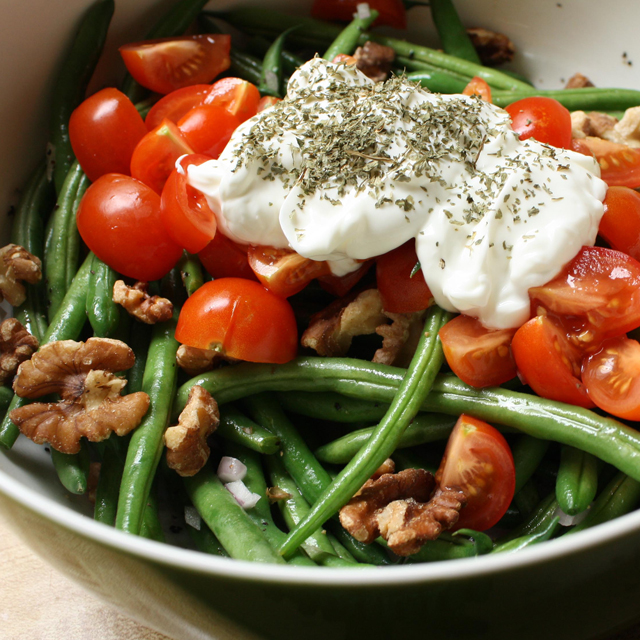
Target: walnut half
17,264
91,404
138,303
16,346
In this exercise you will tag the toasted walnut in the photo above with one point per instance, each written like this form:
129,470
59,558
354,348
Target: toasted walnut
400,338
91,405
375,60
492,47
388,466
17,264
195,361
600,125
360,515
627,131
578,81
187,446
138,303
16,346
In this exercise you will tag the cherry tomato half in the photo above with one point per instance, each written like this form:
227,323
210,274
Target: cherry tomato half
104,130
392,12
478,87
239,97
619,164
208,128
167,64
224,258
478,356
339,286
478,461
175,104
119,220
240,319
544,119
620,225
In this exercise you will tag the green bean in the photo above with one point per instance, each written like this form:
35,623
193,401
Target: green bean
453,36
171,287
205,540
340,549
139,341
365,553
190,272
620,496
5,398
411,459
331,406
347,40
259,46
271,75
527,454
108,487
238,534
527,499
424,428
538,520
452,547
577,481
545,533
102,311
437,81
414,388
73,468
28,232
151,528
246,66
66,325
583,99
238,428
62,254
71,85
146,444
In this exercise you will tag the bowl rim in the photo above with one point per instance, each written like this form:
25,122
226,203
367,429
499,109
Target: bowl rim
186,559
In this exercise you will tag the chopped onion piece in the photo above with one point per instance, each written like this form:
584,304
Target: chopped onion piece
569,521
231,469
192,518
245,498
363,11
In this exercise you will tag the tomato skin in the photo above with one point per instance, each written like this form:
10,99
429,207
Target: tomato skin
241,319
185,211
104,131
175,104
480,357
612,378
478,87
208,128
339,286
167,64
155,156
601,287
266,102
620,225
619,164
544,119
474,447
392,12
400,292
224,258
283,271
549,363
239,97
119,220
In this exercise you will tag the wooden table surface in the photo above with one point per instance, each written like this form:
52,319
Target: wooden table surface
39,603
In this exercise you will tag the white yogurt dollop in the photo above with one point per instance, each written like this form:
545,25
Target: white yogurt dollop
345,169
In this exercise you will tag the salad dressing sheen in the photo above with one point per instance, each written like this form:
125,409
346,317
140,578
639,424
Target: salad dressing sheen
344,169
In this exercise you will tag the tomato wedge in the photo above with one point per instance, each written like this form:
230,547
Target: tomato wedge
619,164
620,225
478,356
174,105
167,64
339,286
544,119
283,271
549,362
599,286
239,97
392,12
224,258
478,461
240,319
612,378
478,87
266,102
208,128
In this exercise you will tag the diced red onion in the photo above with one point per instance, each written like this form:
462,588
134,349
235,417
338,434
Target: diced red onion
231,469
245,498
363,11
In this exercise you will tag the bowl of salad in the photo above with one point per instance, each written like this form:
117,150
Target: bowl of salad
322,315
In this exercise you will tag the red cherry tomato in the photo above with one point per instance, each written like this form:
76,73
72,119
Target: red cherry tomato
392,12
208,128
167,64
239,97
185,211
241,319
478,356
223,258
345,58
620,225
119,220
548,361
544,119
104,130
155,156
619,164
400,291
478,87
283,271
601,287
339,286
266,102
174,105
478,461
612,378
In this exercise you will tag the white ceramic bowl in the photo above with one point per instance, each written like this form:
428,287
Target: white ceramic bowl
579,587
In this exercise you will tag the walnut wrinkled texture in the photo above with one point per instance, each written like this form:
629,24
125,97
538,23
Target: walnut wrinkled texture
403,508
16,346
195,361
187,448
138,303
16,265
493,48
91,405
602,125
578,81
375,60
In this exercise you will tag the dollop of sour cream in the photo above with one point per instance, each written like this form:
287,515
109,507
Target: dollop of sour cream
344,169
